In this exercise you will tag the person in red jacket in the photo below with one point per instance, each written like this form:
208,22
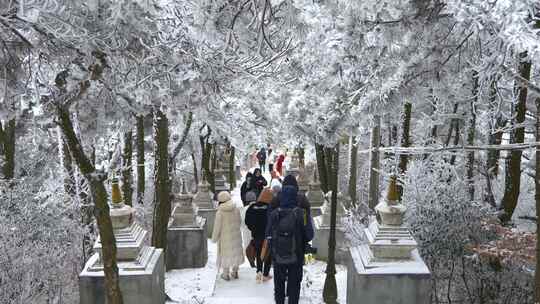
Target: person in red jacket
279,164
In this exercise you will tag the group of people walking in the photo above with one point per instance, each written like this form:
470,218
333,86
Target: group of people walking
279,220
268,155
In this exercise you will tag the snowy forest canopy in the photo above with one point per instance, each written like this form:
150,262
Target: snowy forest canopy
101,88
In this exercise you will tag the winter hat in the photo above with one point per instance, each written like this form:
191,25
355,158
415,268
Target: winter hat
251,196
265,196
223,197
290,180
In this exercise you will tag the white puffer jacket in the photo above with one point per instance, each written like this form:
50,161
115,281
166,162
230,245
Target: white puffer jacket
228,236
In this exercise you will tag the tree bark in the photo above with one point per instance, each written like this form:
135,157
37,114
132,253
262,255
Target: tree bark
162,203
206,163
405,142
140,158
232,171
513,167
329,158
101,211
494,138
127,169
353,166
374,164
537,199
470,136
195,171
321,167
7,147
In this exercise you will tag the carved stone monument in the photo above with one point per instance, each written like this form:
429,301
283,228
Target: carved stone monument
186,236
204,200
141,268
388,269
321,224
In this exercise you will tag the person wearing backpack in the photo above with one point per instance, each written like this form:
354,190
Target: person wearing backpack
256,219
228,237
288,232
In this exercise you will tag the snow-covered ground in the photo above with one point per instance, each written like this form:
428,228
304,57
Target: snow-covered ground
202,285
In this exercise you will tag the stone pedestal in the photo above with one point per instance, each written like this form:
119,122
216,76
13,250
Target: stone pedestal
141,268
203,199
320,240
303,181
388,269
187,245
220,183
390,282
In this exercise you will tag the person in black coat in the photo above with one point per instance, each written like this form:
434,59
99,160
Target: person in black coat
259,182
256,219
301,199
247,186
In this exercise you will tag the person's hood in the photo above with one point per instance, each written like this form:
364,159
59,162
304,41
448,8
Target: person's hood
249,175
290,180
287,197
255,172
228,206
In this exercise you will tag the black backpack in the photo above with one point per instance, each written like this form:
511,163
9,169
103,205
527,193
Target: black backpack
284,235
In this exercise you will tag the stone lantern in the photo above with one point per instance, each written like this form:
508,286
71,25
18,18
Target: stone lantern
140,267
315,195
204,200
388,269
321,224
186,235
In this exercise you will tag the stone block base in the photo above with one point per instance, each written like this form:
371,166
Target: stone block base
315,211
372,281
210,216
187,246
139,283
320,241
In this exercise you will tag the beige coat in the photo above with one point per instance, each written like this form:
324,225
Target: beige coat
228,236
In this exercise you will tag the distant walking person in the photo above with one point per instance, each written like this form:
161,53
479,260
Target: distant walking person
288,232
270,157
259,182
228,237
246,187
261,156
256,219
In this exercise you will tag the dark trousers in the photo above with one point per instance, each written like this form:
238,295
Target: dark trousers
293,275
262,165
262,266
270,167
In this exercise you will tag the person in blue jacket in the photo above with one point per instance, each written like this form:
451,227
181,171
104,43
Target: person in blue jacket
289,228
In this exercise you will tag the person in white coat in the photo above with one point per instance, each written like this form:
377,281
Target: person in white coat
228,237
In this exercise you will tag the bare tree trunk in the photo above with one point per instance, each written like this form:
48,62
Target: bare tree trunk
232,172
513,167
195,171
353,167
537,199
162,203
330,292
496,137
99,195
470,136
374,164
185,134
206,163
7,148
140,158
405,142
321,167
127,169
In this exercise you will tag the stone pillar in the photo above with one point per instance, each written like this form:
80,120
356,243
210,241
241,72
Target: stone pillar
204,200
141,268
321,224
388,269
315,195
294,166
303,181
186,236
